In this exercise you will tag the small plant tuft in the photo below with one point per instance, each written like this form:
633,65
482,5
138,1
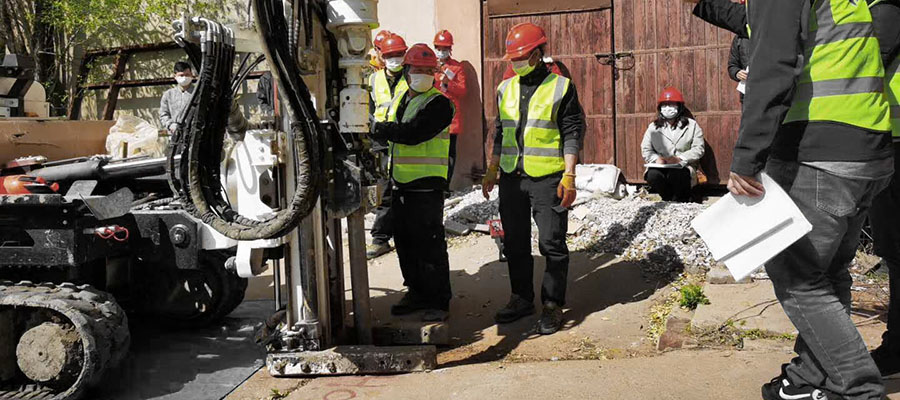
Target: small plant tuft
692,296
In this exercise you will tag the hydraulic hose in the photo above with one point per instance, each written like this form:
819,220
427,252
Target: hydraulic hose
199,142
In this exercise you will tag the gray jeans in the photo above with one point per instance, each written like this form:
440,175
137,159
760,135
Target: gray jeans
812,281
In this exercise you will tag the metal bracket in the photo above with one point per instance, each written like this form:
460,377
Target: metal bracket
621,61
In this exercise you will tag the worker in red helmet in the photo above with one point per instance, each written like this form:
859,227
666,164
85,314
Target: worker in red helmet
377,61
417,128
384,84
539,131
451,80
672,147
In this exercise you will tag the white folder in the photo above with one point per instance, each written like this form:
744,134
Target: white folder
745,233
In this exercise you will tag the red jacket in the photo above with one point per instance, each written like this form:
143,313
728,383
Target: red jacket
454,89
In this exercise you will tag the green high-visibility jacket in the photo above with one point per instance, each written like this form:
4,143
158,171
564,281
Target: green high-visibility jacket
427,159
843,79
381,93
543,151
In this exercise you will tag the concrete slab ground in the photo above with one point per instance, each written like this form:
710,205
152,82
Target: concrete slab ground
195,364
749,306
608,302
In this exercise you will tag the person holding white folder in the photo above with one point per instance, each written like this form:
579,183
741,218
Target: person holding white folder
815,118
672,147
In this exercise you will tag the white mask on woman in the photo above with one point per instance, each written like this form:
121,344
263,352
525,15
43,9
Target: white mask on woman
442,54
394,64
669,112
421,83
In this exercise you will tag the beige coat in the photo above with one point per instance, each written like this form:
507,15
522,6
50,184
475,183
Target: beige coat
686,143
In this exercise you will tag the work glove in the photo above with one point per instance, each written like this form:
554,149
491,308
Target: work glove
172,128
489,180
566,190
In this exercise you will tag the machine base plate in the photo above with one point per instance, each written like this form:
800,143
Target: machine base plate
353,360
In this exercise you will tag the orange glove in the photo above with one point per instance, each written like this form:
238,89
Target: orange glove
566,190
489,180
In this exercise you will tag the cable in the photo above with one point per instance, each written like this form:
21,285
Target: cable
196,178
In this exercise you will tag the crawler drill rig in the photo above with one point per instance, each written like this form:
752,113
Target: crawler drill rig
83,241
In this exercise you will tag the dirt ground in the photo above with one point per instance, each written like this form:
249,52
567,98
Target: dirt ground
604,345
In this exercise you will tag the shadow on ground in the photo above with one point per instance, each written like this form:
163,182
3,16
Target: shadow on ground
196,364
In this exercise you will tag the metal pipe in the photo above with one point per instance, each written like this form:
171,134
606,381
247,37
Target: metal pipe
359,277
276,276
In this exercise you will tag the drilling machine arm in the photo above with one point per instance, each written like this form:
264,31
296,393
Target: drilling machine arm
326,171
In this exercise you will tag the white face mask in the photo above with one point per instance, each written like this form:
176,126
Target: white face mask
669,112
183,81
523,67
421,83
442,54
394,64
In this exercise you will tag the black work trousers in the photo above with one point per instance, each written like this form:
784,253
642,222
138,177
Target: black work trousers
452,162
383,228
421,245
670,183
884,216
521,198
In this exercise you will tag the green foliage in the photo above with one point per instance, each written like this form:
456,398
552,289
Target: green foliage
692,296
93,19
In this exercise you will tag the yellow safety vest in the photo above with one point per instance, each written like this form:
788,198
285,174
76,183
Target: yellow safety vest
543,152
892,76
843,81
427,159
381,92
892,88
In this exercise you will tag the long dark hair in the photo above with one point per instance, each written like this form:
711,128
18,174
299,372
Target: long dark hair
681,120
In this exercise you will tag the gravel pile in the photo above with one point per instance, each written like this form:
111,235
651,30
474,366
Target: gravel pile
470,207
655,234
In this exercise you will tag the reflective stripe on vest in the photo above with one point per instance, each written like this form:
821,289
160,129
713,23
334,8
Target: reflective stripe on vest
427,159
843,80
381,93
543,152
892,90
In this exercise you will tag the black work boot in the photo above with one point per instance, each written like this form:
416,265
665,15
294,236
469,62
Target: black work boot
516,309
887,360
409,304
551,319
781,388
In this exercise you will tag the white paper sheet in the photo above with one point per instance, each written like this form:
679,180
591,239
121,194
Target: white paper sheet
742,85
653,165
745,233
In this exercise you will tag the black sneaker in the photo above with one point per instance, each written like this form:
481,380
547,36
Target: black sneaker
376,250
780,388
408,305
888,361
516,309
551,319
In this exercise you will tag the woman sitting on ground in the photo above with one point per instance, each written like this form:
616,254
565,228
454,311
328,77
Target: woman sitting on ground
674,142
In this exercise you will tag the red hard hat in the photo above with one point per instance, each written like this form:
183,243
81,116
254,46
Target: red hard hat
393,44
443,38
670,94
420,55
380,37
522,39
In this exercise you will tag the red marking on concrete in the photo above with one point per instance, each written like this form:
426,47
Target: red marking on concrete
363,382
340,394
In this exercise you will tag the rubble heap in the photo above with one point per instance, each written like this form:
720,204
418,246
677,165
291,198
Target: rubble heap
655,234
